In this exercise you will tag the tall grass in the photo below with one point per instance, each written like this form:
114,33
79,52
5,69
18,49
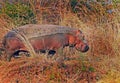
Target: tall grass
99,22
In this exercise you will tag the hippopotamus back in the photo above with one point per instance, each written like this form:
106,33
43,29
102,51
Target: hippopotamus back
34,30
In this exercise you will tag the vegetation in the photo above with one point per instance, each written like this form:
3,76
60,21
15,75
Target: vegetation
99,22
20,14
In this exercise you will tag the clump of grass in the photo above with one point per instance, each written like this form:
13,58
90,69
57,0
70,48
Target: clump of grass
19,13
5,25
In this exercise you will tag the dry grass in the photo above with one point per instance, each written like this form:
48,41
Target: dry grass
99,65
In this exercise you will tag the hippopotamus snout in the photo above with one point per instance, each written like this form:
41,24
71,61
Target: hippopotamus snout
82,47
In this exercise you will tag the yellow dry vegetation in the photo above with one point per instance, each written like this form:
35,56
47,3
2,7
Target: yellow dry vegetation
101,64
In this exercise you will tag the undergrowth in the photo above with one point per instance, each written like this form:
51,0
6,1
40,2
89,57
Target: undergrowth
100,22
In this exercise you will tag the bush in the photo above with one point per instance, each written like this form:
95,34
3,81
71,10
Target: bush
20,14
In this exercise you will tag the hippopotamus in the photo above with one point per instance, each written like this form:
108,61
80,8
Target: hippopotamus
43,37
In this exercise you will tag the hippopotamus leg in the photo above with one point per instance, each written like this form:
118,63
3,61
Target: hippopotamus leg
16,54
51,53
71,50
60,55
9,55
21,52
42,51
24,52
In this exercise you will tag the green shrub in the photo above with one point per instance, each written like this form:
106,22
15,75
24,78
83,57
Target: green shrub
20,14
73,3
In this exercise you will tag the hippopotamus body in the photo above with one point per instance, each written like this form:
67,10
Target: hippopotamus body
43,37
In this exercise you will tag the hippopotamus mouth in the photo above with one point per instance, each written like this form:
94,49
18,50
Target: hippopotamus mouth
83,49
82,46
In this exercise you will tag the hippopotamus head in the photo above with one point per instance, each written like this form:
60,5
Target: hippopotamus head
81,43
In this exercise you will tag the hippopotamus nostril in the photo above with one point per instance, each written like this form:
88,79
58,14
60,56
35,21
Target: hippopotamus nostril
86,48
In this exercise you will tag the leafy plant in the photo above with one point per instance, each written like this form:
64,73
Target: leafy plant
52,76
91,69
19,13
73,3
